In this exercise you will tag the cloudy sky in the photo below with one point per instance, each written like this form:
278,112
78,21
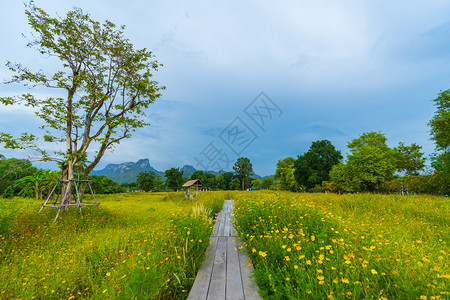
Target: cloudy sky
263,79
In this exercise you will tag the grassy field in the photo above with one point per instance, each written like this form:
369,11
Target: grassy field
328,246
142,246
150,245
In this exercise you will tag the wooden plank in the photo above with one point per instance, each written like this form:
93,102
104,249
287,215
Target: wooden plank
234,289
234,232
220,220
217,285
227,225
201,284
248,284
216,227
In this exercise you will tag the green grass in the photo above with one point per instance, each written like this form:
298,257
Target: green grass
346,246
144,246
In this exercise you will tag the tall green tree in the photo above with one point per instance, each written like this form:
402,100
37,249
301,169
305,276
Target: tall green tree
409,158
440,123
107,83
104,185
174,179
284,175
197,175
243,168
267,183
440,133
256,183
314,166
224,180
146,180
12,169
370,163
235,184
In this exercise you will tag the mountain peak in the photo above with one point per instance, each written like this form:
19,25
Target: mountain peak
126,172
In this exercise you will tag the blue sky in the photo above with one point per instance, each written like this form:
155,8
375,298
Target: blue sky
334,69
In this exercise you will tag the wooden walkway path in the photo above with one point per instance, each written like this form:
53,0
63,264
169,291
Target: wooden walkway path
225,272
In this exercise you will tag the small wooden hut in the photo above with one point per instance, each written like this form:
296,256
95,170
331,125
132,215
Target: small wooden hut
192,183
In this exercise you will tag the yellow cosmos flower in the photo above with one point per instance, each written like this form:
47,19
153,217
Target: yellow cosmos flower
263,254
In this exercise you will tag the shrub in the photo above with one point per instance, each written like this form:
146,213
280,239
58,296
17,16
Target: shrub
8,193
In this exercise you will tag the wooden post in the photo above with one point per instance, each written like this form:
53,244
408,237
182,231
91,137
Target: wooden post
65,192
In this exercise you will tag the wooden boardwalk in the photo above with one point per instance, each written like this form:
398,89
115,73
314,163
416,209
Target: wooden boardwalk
225,272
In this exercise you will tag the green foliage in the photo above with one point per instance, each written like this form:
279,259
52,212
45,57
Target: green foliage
112,82
147,181
104,185
243,168
256,183
314,166
197,175
174,179
409,158
284,175
210,180
235,184
370,164
440,133
436,184
133,246
440,123
224,181
328,186
13,169
8,193
267,183
37,185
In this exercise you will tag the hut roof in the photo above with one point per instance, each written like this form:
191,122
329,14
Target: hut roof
195,182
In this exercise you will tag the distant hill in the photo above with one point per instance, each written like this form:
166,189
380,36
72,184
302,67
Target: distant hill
128,171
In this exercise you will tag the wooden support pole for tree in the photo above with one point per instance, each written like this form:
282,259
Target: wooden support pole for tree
66,193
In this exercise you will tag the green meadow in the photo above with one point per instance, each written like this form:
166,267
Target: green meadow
354,246
302,246
142,246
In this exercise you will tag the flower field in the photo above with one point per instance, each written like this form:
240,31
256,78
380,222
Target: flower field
142,246
328,246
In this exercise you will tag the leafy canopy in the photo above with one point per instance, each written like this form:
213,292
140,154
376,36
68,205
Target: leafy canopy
174,179
440,123
370,163
314,166
147,180
243,168
409,158
284,175
107,85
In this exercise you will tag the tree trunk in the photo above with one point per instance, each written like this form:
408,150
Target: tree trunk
81,189
66,185
243,183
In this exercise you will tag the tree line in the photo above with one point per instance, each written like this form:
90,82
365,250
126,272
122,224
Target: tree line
371,165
